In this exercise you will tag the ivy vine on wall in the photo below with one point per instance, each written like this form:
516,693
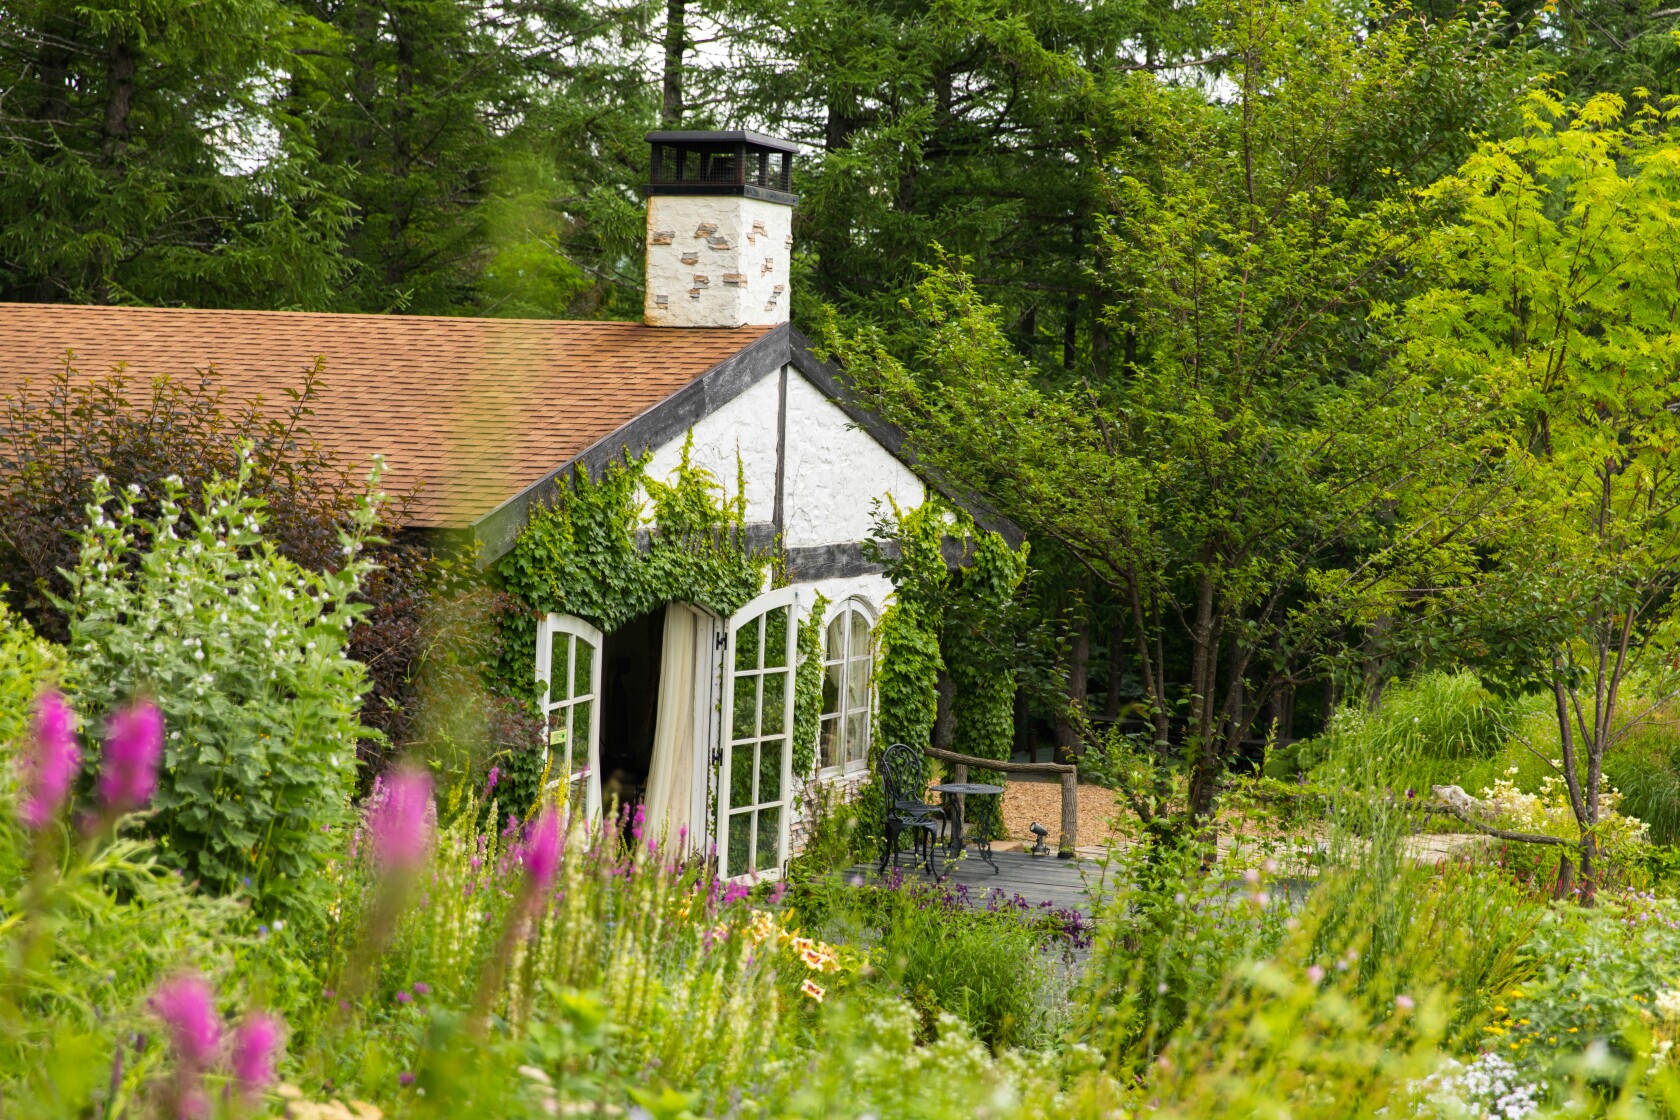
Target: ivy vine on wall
962,621
808,689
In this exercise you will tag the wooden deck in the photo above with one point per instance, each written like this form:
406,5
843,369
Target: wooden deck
1073,884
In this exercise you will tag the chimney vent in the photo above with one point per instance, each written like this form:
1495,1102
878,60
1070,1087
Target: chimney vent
722,201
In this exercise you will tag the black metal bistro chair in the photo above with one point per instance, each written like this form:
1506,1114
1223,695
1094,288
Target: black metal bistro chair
903,785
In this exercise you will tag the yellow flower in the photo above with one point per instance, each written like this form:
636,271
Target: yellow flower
1572,1030
812,990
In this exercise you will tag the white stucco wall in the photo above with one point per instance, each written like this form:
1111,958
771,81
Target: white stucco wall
835,473
716,261
745,426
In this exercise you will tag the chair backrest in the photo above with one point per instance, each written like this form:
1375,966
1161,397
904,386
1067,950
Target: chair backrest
903,774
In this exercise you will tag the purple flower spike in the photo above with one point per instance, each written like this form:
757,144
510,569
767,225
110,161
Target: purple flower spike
402,820
256,1044
542,850
133,748
51,766
490,782
186,1008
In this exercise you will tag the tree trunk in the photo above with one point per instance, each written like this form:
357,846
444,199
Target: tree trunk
1078,688
1202,734
1116,642
120,69
402,152
676,48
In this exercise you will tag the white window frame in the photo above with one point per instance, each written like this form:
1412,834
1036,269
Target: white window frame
845,607
749,615
576,629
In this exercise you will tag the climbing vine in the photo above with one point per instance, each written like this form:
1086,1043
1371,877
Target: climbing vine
603,553
808,690
980,629
963,622
907,657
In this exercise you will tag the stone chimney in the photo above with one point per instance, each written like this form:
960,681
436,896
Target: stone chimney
719,230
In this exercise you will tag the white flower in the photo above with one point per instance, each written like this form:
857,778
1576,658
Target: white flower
1667,1004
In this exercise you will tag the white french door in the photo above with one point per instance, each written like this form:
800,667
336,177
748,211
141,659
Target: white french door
569,669
759,655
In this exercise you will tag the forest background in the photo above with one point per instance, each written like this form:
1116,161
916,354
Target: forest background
1048,164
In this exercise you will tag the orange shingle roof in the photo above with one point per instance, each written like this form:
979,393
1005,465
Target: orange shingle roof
470,411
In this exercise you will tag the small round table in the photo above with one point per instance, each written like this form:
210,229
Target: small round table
958,791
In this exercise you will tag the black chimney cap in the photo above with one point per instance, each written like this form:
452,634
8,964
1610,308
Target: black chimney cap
737,162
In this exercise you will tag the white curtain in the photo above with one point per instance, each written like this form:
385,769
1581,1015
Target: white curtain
671,773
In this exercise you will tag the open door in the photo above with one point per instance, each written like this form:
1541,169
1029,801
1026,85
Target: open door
753,785
569,669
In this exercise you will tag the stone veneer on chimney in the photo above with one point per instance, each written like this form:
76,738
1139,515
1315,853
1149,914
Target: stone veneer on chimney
719,230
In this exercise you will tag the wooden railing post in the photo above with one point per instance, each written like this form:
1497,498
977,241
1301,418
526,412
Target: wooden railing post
1070,815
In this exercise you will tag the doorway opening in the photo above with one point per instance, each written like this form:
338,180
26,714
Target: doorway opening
630,683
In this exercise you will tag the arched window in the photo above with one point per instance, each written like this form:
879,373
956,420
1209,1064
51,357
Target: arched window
848,670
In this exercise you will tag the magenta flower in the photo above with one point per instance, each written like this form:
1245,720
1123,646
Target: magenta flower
256,1044
51,766
401,824
133,747
542,850
185,1005
490,782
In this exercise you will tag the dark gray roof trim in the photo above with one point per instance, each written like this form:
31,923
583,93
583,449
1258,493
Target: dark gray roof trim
672,417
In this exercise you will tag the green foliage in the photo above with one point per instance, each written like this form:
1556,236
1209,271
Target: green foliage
1436,728
244,651
980,630
78,974
118,181
1600,971
808,689
907,654
1165,950
27,666
1646,770
986,965
1235,483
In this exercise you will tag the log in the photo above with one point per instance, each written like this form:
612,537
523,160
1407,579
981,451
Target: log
1001,764
1070,816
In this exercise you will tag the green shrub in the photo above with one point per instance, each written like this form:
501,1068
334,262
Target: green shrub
27,665
1436,728
243,650
1645,767
1601,971
989,965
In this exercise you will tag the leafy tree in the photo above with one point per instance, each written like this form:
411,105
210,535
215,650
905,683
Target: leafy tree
1237,486
144,158
1557,284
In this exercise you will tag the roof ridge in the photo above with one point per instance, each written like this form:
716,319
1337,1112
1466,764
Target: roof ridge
80,308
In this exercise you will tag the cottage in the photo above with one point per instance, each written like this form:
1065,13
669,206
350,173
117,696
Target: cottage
683,709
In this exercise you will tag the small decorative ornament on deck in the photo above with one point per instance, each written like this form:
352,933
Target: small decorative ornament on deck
1039,848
